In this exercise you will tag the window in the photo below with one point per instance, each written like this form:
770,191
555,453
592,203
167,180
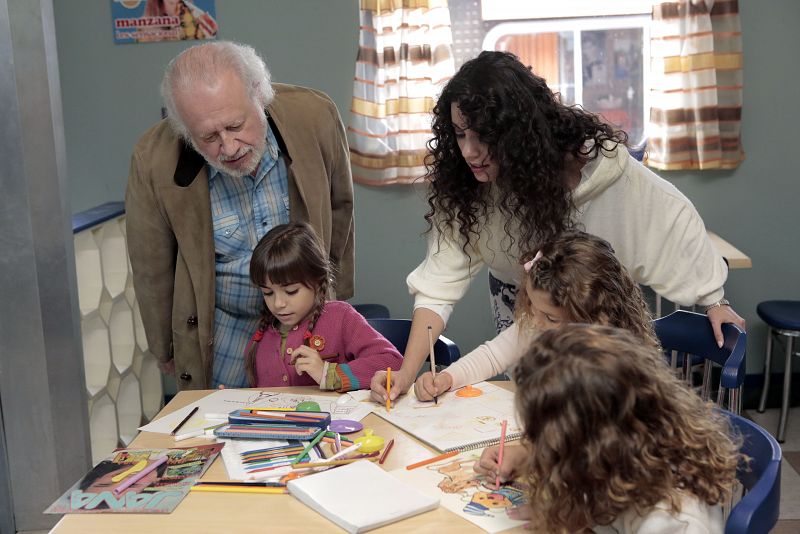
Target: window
598,60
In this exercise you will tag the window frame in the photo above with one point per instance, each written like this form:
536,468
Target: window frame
576,25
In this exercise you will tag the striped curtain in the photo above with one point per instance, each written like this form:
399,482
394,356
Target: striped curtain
404,58
696,85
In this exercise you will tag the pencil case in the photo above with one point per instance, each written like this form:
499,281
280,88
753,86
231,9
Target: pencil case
280,417
268,431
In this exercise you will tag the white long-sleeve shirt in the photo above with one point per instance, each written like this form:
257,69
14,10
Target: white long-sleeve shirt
491,357
655,230
695,517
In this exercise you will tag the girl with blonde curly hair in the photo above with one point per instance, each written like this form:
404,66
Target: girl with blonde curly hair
574,278
614,442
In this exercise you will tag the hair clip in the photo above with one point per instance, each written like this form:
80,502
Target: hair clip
528,264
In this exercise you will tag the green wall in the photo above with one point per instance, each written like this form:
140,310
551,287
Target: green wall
110,96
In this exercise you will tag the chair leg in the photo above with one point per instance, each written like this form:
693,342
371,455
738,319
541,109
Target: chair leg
706,388
767,361
787,386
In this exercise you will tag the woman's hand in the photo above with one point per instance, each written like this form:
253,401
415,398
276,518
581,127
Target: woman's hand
514,460
720,315
307,360
426,387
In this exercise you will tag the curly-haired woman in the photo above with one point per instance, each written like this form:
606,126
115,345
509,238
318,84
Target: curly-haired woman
511,167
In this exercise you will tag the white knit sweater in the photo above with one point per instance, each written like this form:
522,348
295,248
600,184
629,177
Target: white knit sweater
654,229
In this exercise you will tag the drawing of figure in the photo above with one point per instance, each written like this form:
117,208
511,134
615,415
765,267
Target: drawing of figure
458,476
484,502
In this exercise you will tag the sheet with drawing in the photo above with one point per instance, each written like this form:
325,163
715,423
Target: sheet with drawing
462,491
226,400
456,422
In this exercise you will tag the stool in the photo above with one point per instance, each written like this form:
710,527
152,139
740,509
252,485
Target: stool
783,319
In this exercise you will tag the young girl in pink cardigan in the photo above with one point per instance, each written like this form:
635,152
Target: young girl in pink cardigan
302,339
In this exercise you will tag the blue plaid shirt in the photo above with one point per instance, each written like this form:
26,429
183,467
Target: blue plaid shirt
242,210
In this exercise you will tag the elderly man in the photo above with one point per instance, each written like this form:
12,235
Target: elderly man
236,156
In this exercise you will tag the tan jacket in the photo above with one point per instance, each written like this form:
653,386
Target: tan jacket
169,228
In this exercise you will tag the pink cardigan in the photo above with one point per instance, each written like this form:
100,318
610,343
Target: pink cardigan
360,350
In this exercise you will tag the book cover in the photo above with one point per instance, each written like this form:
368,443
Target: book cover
157,492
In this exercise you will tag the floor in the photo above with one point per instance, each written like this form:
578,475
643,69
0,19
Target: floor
789,520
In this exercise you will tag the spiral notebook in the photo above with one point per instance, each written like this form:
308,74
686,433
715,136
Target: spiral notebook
457,423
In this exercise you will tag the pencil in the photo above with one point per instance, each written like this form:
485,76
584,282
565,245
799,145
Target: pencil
503,427
386,451
432,460
243,484
311,465
309,446
238,489
197,433
388,389
433,364
184,420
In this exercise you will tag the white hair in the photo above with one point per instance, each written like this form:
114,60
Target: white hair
203,65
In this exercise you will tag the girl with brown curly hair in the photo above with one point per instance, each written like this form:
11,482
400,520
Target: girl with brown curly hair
574,278
510,167
614,442
304,339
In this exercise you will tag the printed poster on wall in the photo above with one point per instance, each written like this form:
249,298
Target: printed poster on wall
147,21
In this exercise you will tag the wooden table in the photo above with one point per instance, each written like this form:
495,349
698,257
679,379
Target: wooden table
736,258
241,512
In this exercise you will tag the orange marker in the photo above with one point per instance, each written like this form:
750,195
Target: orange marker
388,389
432,460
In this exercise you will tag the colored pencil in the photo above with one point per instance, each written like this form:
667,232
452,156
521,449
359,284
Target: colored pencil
503,427
138,476
238,489
184,420
386,451
197,433
329,463
432,460
433,364
388,389
345,452
311,445
242,484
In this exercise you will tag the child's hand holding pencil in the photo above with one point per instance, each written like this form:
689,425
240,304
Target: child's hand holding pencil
514,458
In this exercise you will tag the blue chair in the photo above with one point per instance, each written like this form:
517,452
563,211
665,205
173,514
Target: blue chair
372,311
758,510
689,336
397,330
783,319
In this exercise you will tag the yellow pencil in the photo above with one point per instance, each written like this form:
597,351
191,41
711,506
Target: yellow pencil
238,489
388,389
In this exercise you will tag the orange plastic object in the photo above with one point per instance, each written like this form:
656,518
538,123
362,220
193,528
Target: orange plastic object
469,391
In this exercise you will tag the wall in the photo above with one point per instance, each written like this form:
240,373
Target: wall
110,96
